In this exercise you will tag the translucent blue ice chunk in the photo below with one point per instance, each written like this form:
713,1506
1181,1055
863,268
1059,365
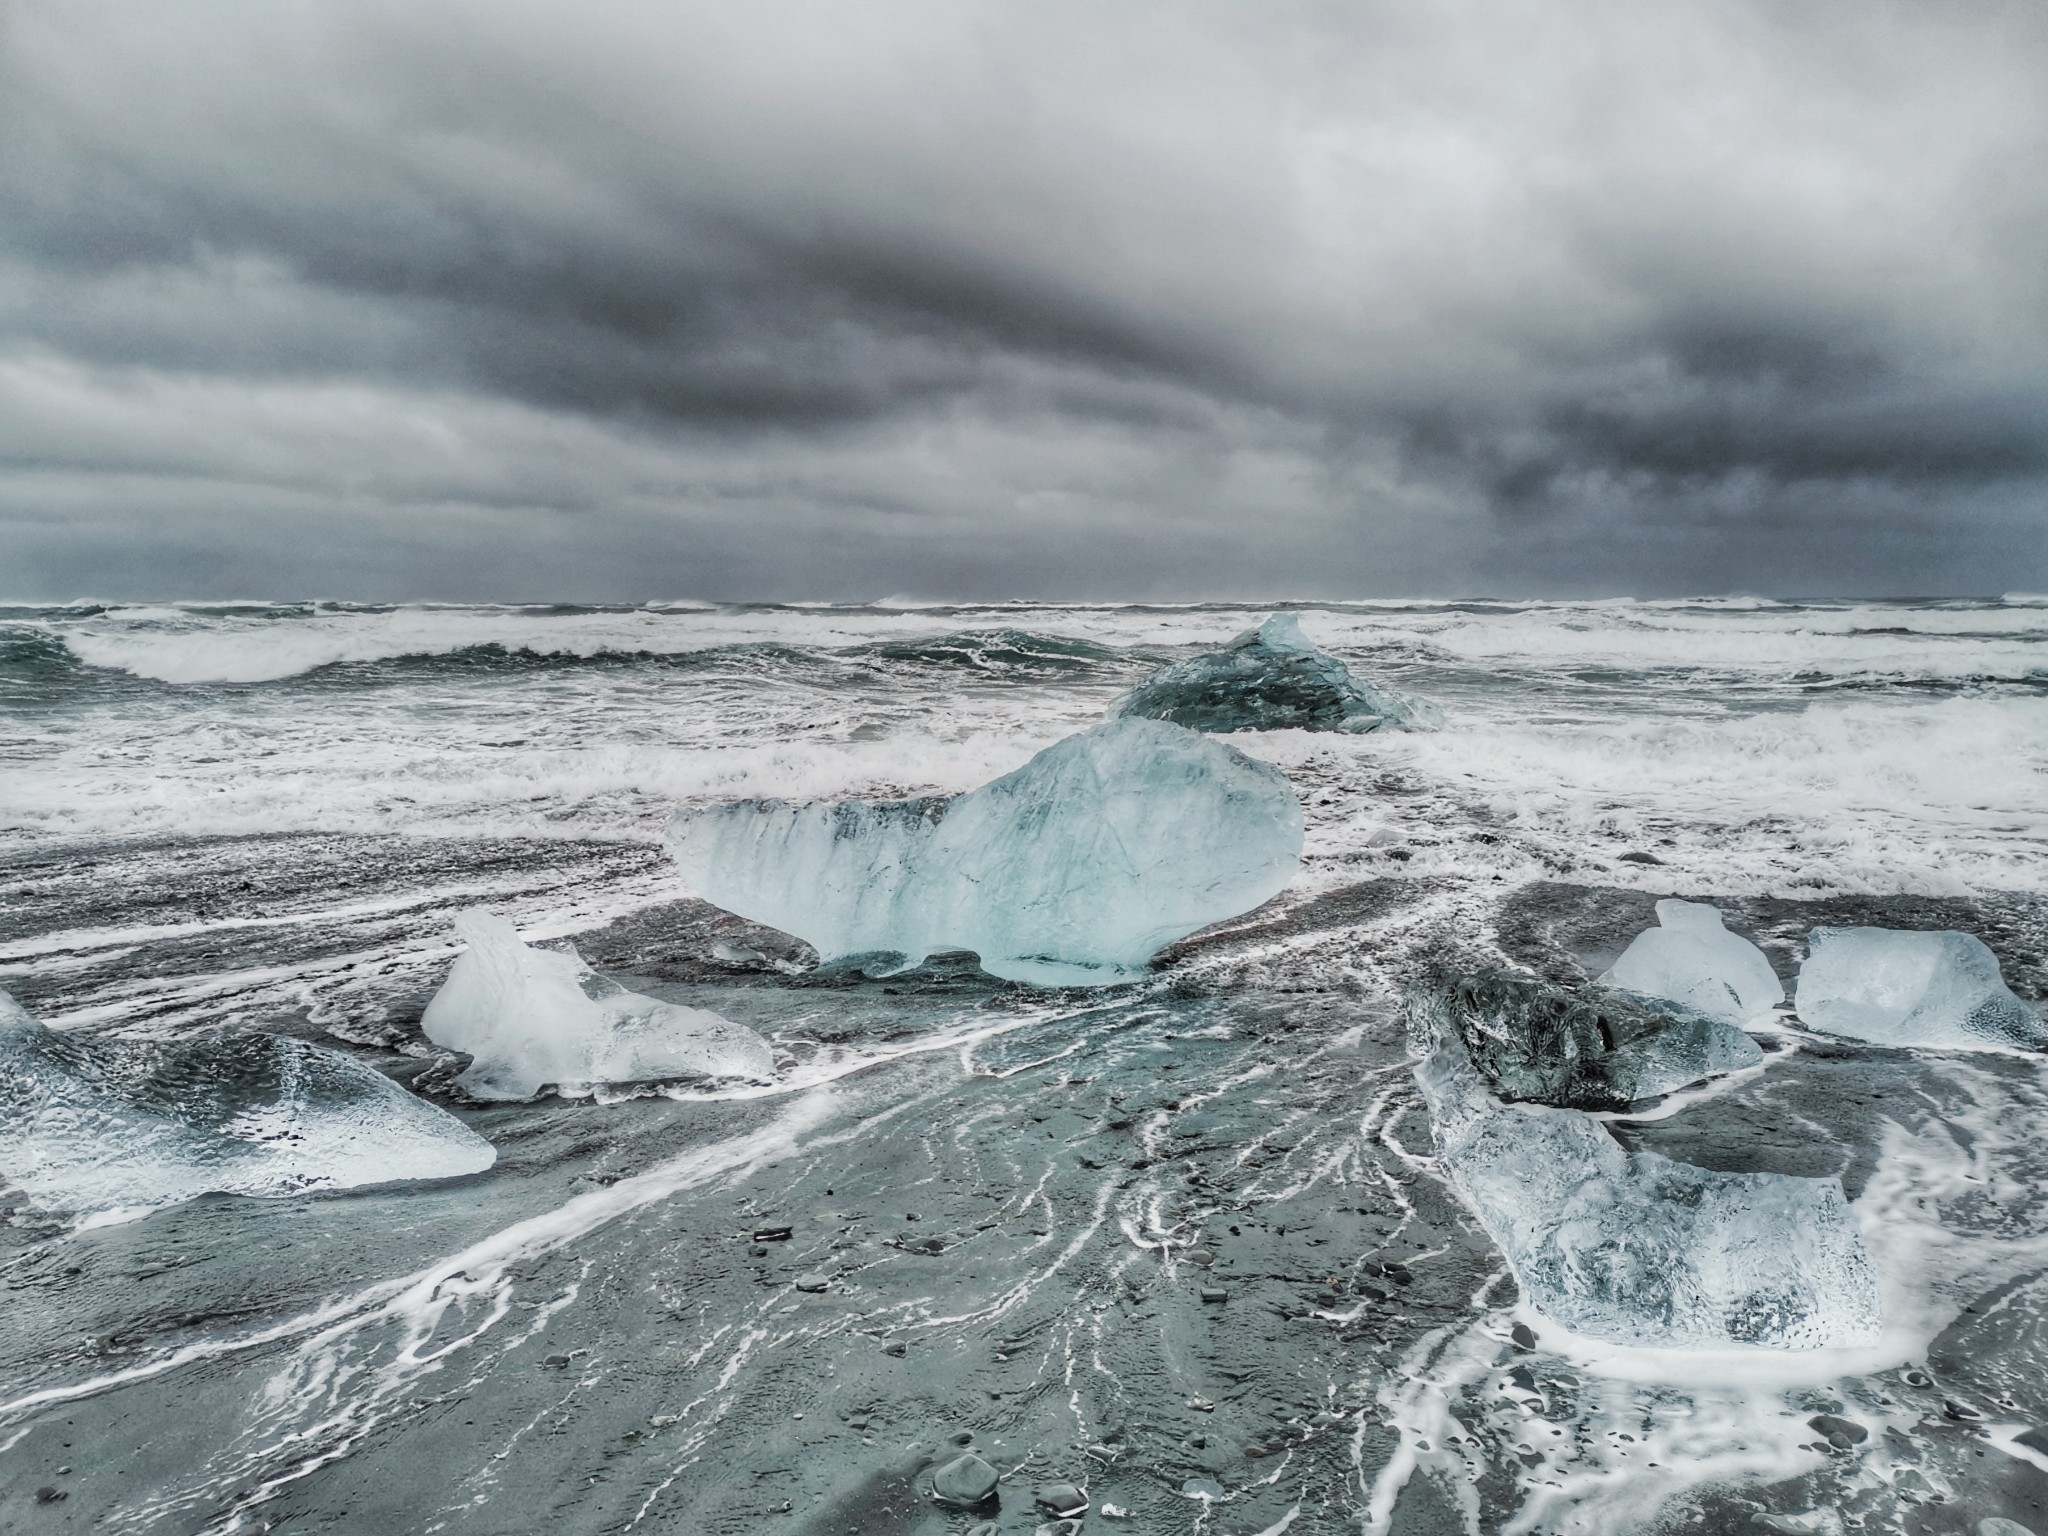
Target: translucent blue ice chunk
1637,1249
529,1017
1894,987
1076,868
95,1125
1542,1044
1271,679
1690,958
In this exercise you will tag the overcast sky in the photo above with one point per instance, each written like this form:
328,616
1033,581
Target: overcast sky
771,299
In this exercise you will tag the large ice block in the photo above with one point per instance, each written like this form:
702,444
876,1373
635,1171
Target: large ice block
1599,1050
1270,679
1690,958
1076,868
530,1017
97,1125
1894,987
1638,1249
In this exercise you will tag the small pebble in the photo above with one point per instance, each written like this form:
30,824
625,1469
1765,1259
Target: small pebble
898,1350
1201,1258
964,1482
813,1283
1839,1432
1213,1293
1058,1528
1062,1499
49,1495
1523,1335
556,1362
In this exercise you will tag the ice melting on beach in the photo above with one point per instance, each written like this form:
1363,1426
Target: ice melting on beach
530,1017
1637,1249
1539,1043
1895,987
1076,868
1271,679
93,1126
1691,959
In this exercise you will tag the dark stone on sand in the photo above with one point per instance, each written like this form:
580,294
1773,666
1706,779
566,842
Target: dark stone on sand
1839,1432
1637,856
772,1234
1201,1258
813,1283
2033,1440
1961,1412
1212,1293
1523,1335
965,1482
898,1350
556,1362
49,1495
1062,1500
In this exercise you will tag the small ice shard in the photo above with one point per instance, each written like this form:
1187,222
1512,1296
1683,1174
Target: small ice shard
1637,1249
1539,1043
1895,987
1076,868
530,1017
1271,679
1692,960
96,1125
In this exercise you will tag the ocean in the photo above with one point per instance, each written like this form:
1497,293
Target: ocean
223,817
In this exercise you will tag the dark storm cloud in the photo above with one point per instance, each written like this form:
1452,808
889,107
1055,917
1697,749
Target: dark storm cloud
797,298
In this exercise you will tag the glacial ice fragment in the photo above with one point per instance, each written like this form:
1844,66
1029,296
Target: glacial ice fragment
99,1125
1076,868
1270,679
1637,1249
1894,987
1542,1044
530,1017
1691,959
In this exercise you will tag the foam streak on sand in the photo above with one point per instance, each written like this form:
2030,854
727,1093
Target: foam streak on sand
417,1302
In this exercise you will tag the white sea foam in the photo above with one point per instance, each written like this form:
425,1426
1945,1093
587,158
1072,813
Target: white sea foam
252,642
1577,731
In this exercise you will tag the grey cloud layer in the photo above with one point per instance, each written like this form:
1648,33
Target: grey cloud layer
802,299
